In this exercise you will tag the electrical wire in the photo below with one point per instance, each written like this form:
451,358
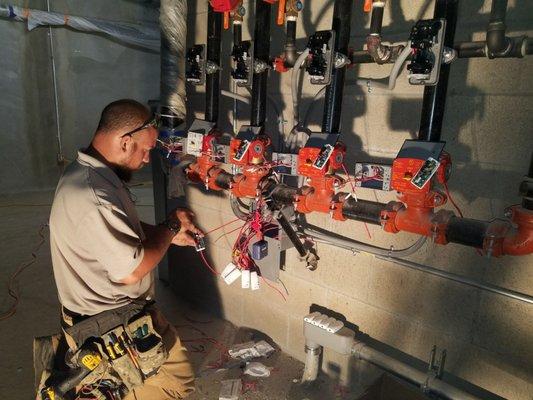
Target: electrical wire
11,289
275,288
445,184
206,263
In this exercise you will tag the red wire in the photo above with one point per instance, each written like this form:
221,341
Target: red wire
221,226
451,200
207,264
275,288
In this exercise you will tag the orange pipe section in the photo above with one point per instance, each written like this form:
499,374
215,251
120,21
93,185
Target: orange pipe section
247,183
519,241
319,196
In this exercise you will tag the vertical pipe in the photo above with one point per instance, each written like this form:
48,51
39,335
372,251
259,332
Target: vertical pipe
262,53
342,16
435,96
496,41
212,83
376,19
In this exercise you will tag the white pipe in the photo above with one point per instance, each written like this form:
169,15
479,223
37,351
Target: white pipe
294,84
312,362
398,65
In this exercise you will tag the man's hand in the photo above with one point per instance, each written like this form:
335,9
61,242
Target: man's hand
185,236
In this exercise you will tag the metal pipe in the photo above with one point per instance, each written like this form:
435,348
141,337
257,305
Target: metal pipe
520,47
261,53
363,210
365,352
460,279
212,83
342,17
465,231
312,361
291,234
434,100
497,43
290,43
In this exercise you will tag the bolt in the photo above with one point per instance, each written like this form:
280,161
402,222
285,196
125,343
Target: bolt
211,67
341,60
260,66
449,55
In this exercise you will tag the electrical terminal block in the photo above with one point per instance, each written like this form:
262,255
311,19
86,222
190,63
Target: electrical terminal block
329,324
231,273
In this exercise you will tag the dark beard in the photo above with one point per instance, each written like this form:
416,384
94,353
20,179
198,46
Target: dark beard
124,174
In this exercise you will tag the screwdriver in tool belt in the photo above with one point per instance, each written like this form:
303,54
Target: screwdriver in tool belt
116,345
129,350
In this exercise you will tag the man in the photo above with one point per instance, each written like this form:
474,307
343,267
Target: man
103,256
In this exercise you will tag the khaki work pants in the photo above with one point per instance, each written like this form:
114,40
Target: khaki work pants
175,378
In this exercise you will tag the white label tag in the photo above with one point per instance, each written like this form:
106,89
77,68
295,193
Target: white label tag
231,273
245,279
254,280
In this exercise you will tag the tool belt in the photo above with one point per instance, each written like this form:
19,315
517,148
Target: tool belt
119,348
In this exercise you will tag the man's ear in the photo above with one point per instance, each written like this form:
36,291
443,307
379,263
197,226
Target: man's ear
125,142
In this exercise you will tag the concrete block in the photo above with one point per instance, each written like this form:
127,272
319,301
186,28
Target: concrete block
302,294
498,374
510,324
380,324
267,318
430,300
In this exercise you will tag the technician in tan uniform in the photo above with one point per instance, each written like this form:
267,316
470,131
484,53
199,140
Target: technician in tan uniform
103,256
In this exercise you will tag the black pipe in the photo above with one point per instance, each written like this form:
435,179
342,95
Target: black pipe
237,33
262,53
468,232
224,180
526,188
290,44
363,210
342,17
212,84
376,20
435,96
496,41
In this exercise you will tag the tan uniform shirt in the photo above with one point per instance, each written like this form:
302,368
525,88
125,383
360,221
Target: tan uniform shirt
95,239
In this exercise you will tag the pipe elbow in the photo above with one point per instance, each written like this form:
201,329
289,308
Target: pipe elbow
379,52
520,240
290,55
498,45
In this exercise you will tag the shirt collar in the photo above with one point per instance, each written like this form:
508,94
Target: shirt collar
100,168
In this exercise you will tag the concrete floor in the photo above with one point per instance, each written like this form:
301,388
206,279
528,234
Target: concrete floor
22,217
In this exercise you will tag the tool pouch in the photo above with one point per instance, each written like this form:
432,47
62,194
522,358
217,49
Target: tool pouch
148,344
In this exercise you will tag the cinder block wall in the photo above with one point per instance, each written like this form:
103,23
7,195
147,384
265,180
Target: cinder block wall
487,128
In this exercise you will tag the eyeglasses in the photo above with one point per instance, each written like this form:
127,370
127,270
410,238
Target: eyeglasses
153,121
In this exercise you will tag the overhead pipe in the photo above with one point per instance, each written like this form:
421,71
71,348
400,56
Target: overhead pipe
261,54
434,99
342,17
212,82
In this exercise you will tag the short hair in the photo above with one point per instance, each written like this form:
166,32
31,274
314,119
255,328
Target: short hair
120,114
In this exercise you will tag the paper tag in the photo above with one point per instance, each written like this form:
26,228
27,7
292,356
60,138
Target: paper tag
254,281
231,273
245,279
